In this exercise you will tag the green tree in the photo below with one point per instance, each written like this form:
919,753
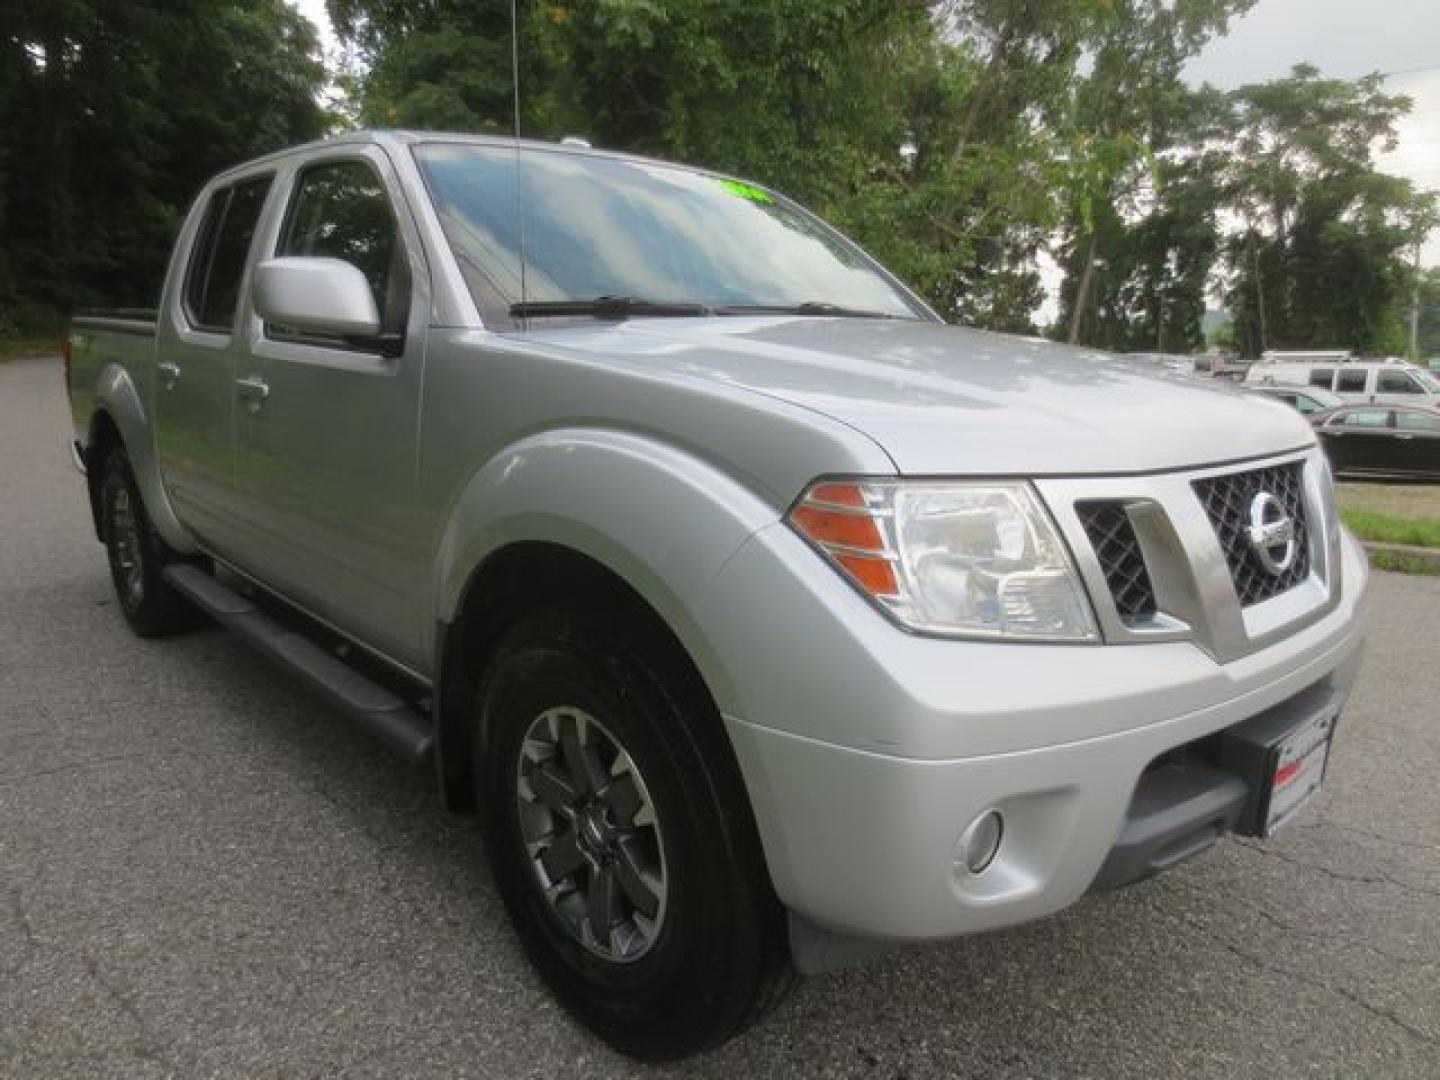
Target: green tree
1426,297
114,113
1320,259
1140,221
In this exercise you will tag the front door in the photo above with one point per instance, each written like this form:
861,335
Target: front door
327,429
197,348
1361,440
1417,434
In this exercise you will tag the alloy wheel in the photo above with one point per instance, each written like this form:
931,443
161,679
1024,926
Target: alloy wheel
126,556
592,835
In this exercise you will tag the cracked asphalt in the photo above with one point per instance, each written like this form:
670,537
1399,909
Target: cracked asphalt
205,872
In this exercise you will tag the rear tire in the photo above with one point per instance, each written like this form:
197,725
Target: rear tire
610,795
138,555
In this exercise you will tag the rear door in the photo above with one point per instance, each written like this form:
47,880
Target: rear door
197,345
327,429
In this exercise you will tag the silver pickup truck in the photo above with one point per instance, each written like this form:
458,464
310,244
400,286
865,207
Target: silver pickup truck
764,618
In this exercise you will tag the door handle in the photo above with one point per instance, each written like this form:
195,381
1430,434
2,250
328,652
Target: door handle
169,372
1407,438
254,390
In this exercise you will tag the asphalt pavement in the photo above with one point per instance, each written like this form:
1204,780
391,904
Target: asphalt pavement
203,871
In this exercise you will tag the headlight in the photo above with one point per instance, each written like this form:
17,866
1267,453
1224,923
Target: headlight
966,559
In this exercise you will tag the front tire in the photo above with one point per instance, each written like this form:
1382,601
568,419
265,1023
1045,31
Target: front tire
138,555
617,827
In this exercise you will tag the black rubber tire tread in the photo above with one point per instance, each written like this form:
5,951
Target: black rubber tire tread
161,611
722,959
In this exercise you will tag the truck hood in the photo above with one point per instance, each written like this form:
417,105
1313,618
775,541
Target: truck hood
949,400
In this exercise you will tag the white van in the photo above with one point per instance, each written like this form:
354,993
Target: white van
1386,382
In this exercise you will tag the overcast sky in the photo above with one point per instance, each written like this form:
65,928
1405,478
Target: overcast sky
1346,39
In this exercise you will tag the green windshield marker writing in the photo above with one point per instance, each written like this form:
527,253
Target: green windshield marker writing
747,191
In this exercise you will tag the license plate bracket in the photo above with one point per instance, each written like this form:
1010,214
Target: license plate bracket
1282,755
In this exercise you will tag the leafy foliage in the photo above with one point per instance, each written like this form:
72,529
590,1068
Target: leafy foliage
1321,255
112,115
961,141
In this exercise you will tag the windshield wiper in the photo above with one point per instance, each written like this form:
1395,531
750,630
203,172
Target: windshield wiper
815,308
605,307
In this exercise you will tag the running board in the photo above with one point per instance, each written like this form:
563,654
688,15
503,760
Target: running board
403,729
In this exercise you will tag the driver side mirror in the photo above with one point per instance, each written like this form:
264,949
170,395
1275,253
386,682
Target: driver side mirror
315,295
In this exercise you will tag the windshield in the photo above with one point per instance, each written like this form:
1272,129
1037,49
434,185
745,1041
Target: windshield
602,227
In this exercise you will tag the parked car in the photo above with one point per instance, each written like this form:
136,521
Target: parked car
1383,382
764,617
1306,400
1401,441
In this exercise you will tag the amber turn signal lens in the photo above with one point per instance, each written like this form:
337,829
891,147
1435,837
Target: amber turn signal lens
837,527
836,518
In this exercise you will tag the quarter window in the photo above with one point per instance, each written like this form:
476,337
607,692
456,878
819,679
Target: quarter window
1364,418
212,283
1351,382
1396,382
341,211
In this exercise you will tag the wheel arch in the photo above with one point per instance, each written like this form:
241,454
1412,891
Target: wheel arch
120,418
580,516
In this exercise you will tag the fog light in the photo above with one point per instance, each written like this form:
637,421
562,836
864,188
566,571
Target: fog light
980,841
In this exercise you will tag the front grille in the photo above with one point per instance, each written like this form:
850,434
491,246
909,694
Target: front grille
1116,546
1227,500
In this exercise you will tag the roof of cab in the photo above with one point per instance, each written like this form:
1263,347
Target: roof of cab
408,137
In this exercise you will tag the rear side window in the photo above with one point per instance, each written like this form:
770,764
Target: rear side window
1365,418
1321,377
341,211
1351,382
212,284
1396,382
1410,420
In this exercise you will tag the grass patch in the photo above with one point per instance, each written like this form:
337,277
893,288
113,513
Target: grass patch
1409,501
1389,529
1403,563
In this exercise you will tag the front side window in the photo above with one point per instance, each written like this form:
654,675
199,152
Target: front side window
212,283
1364,418
1413,420
1322,377
1396,382
605,227
1351,382
342,211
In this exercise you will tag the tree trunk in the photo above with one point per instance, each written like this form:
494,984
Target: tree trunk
1082,294
1259,292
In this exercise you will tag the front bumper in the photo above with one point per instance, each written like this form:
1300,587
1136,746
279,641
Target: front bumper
867,751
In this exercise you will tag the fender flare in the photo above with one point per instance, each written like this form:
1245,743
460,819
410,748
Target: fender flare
117,398
662,519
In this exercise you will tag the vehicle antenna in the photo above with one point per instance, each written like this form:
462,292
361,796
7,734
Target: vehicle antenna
515,97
